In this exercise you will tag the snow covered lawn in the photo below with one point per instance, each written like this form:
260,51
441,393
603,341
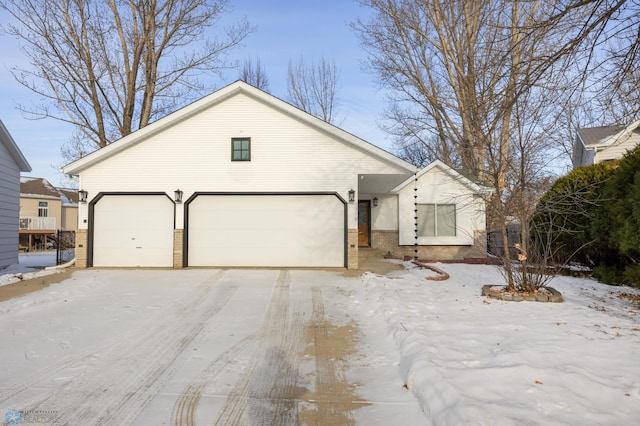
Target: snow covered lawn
474,360
242,346
30,265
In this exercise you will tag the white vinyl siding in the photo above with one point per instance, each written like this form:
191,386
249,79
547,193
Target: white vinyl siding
287,155
619,150
437,187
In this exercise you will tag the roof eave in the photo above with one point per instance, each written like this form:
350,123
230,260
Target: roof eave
13,149
477,189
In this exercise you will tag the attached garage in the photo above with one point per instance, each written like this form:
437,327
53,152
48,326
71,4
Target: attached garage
133,230
266,230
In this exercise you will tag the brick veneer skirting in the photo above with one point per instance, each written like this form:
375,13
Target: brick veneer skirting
81,248
388,242
178,244
352,249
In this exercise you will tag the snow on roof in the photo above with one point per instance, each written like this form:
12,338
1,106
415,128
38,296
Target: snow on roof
41,188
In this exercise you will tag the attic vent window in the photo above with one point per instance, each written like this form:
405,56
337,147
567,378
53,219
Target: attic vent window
241,149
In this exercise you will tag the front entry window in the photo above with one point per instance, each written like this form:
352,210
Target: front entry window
364,214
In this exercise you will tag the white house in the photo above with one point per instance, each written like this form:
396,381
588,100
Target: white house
12,162
450,211
596,144
241,178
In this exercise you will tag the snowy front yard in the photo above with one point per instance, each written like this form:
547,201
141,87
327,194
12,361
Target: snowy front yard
242,346
474,360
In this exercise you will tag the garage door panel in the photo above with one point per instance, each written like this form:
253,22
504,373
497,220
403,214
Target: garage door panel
269,230
131,230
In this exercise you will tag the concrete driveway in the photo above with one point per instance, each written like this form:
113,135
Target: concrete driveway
186,347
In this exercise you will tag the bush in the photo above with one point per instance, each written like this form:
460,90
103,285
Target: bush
606,274
594,213
565,215
631,275
622,215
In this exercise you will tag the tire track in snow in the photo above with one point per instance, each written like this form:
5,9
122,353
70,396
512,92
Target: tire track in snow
131,373
53,370
333,397
267,393
183,413
325,374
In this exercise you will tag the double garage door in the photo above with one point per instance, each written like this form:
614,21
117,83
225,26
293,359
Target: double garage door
221,230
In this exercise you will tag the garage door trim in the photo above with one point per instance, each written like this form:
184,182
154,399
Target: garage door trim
97,198
185,252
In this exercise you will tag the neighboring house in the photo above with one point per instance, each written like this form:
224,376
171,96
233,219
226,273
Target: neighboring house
69,203
243,179
44,210
12,162
596,144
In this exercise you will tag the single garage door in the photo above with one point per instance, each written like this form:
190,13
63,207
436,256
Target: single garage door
133,230
266,231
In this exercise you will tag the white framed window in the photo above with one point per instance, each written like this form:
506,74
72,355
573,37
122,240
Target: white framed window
436,220
43,209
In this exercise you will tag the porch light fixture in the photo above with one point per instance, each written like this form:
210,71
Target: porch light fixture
177,196
375,201
352,195
82,196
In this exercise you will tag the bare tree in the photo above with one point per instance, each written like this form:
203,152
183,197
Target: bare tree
608,37
459,71
456,70
314,88
254,74
110,67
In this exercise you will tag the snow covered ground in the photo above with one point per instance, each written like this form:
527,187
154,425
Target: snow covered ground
30,265
129,346
473,360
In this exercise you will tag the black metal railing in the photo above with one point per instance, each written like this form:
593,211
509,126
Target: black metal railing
65,246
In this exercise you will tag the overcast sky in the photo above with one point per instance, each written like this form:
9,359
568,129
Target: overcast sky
285,30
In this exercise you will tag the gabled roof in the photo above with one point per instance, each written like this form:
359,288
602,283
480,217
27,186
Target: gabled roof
30,186
475,185
593,135
33,187
217,97
602,137
12,147
70,196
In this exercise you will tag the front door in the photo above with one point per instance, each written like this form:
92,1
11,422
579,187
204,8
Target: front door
364,221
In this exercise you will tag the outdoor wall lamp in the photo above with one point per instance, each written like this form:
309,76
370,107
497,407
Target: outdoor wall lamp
177,196
82,196
375,201
352,195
